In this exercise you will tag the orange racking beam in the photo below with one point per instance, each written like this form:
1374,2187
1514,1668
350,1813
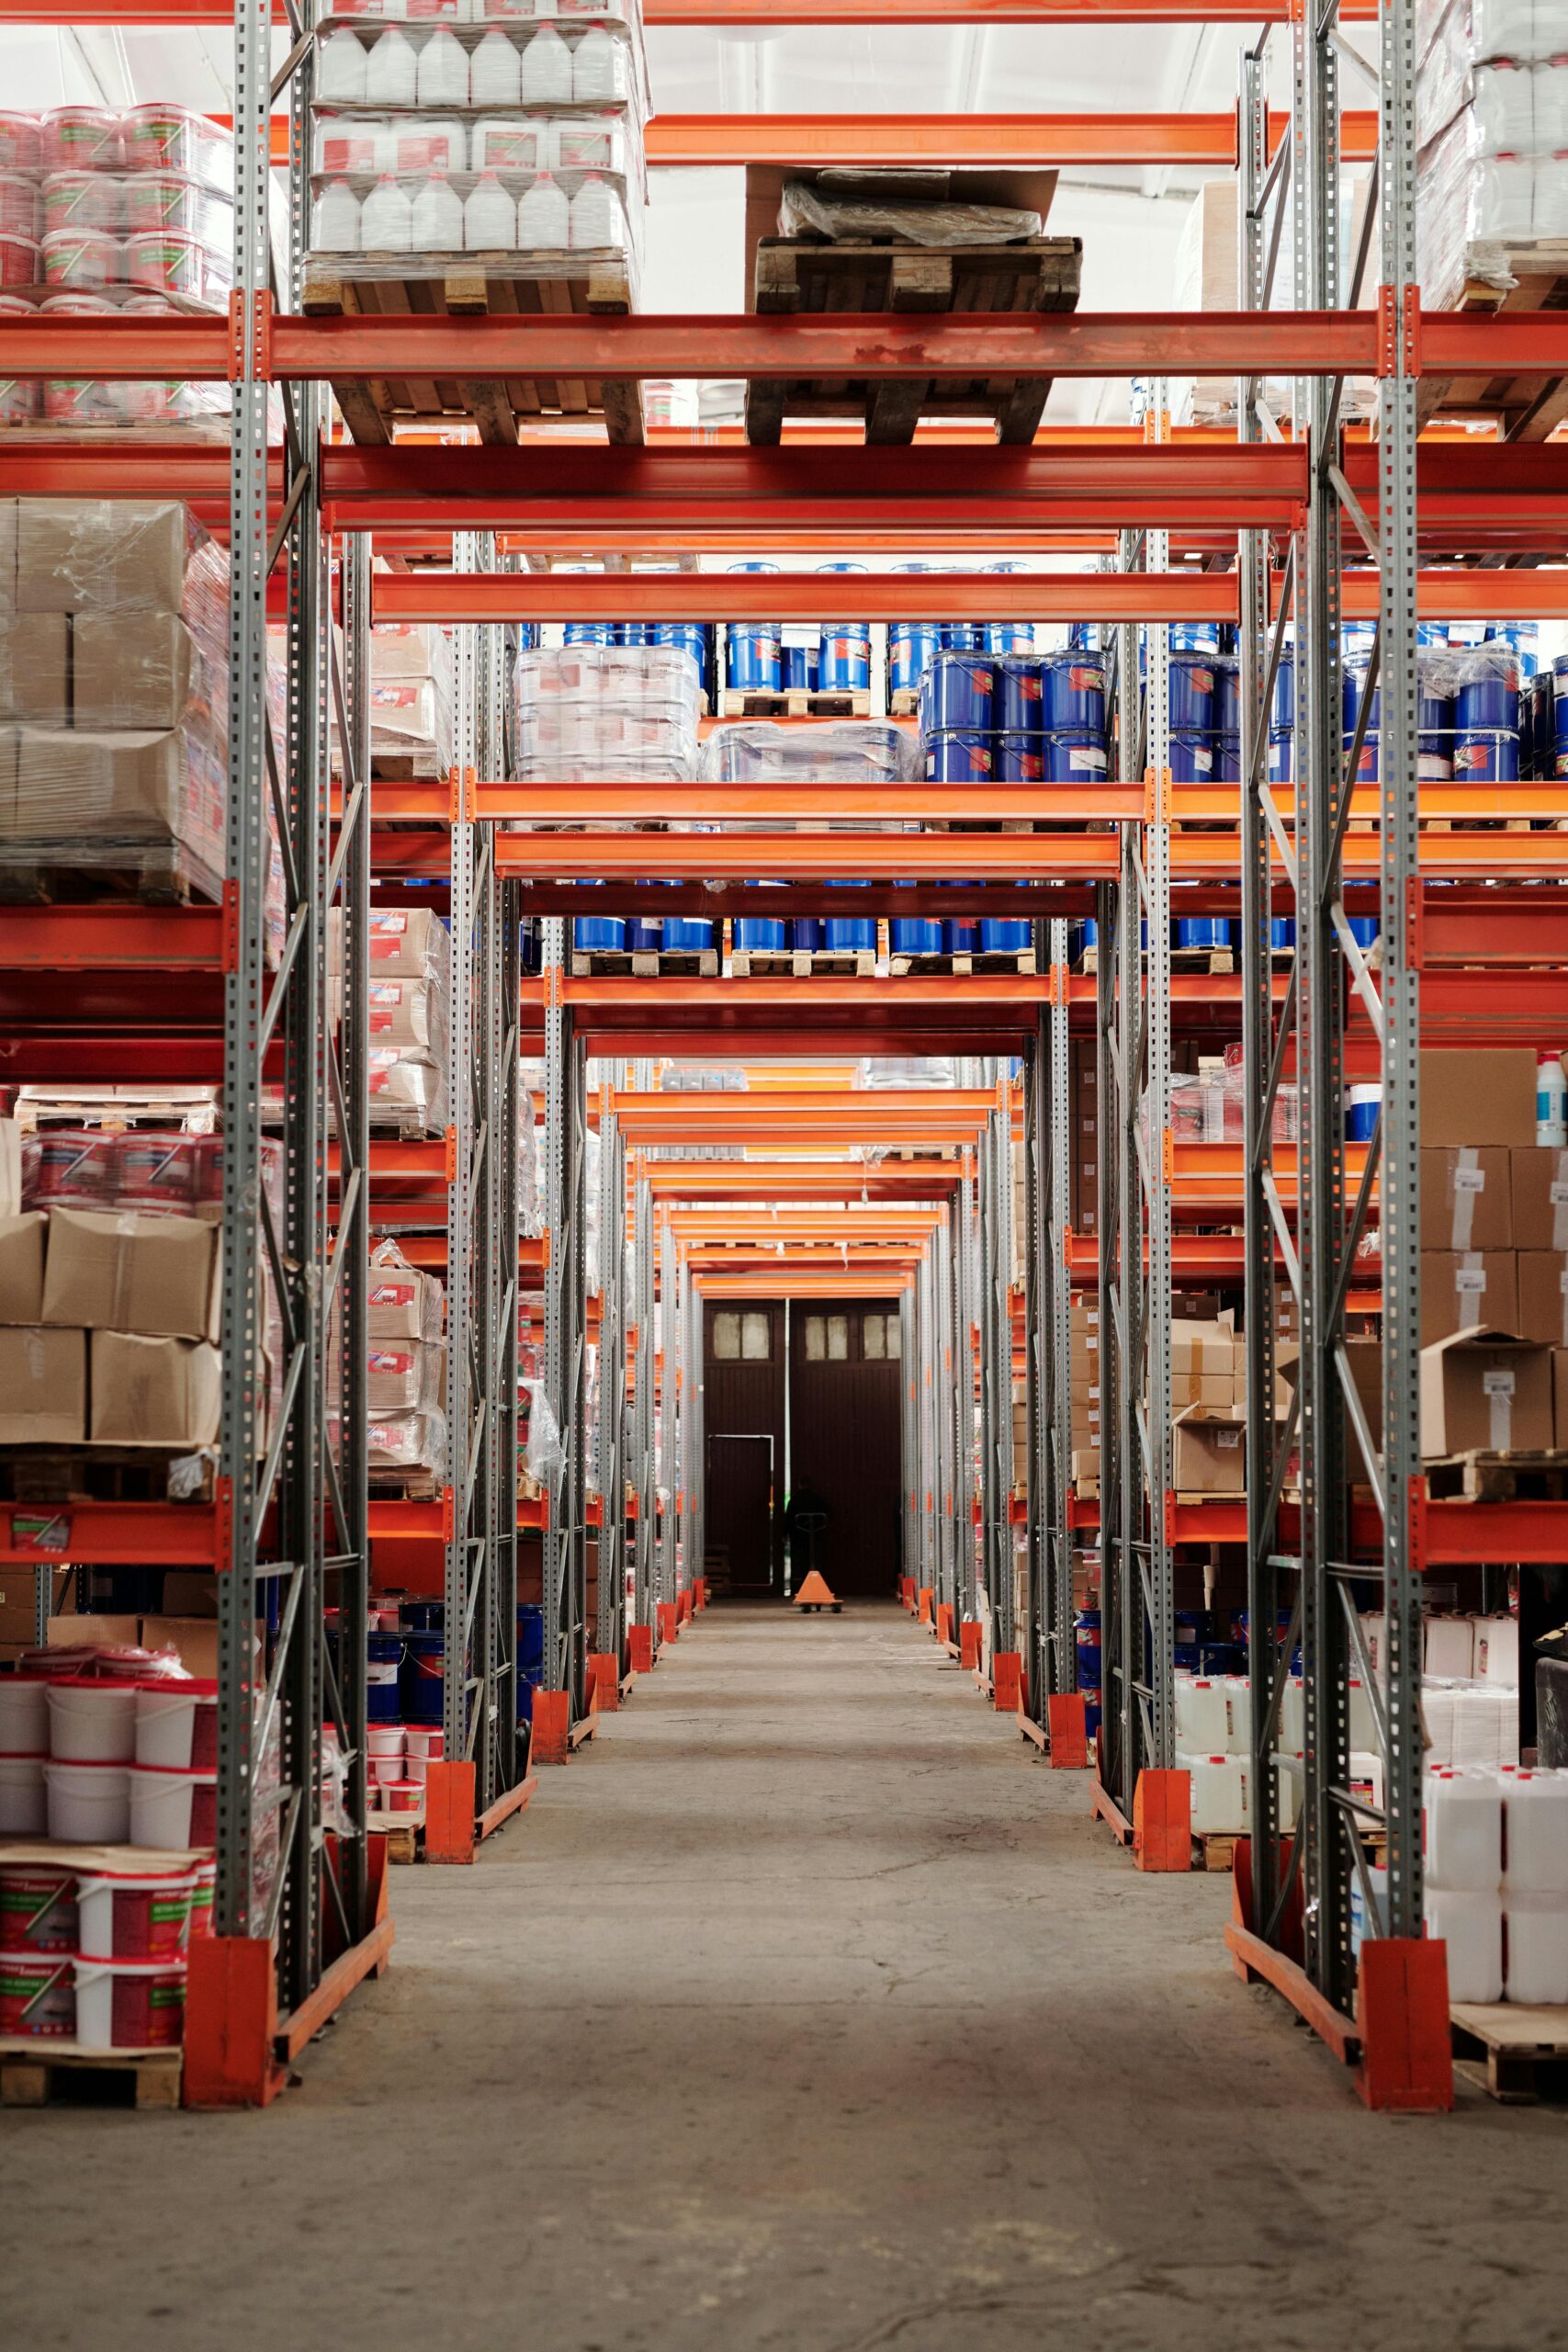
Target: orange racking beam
736,1181
739,1259
1025,142
576,804
641,858
676,1108
808,1282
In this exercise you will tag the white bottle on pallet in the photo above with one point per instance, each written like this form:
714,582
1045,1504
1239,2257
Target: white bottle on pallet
337,226
596,72
489,218
392,74
547,69
495,72
438,225
342,64
596,215
443,71
544,218
385,219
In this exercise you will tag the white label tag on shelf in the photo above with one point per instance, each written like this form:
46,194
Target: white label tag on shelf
1499,1388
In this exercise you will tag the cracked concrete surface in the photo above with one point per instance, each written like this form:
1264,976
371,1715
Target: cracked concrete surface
806,2011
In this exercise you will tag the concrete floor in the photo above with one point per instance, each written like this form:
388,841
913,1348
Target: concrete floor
806,2011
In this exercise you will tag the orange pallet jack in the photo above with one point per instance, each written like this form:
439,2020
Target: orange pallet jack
814,1594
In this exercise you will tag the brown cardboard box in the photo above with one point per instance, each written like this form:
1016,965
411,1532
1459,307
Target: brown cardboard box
190,1593
119,1271
1020,1429
1462,1288
402,1303
402,1377
69,1630
404,942
1086,1464
1542,1313
1466,1200
18,1601
43,1385
35,667
1540,1186
1366,1371
194,1641
81,555
1560,1398
1202,1365
1484,1391
154,1392
70,781
133,670
1473,1094
1209,1451
401,1013
21,1267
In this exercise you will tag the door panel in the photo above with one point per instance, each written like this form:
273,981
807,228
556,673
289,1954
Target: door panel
845,1434
740,1508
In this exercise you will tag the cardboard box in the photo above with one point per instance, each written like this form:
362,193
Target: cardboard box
1478,1095
1461,1289
194,1641
1466,1198
1086,1464
190,1593
1202,1365
154,1392
21,1267
128,781
1484,1391
1542,1313
405,943
35,667
19,1598
1209,1451
134,670
119,1272
1539,1186
402,1303
43,1385
72,1628
7,553
1366,1371
88,555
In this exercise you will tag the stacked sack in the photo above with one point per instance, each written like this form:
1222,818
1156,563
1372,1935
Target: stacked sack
104,214
506,127
1492,130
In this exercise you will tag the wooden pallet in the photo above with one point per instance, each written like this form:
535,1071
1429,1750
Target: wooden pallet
1529,407
1488,1477
794,702
858,963
646,964
757,963
903,702
404,1833
159,874
1524,2051
1213,960
1214,1850
405,1486
798,275
477,286
32,2073
58,1475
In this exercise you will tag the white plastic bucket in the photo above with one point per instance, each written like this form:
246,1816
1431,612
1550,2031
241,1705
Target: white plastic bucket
426,1741
417,1767
130,2004
1237,1691
402,1797
171,1809
385,1770
92,1723
176,1724
384,1739
132,1915
24,1811
1201,1721
24,1716
89,1804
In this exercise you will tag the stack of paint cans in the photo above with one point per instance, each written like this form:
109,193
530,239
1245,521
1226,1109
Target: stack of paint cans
843,659
846,751
753,651
1468,716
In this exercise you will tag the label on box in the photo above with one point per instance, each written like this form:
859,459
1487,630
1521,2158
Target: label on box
1470,1180
1498,1386
1470,1281
41,1531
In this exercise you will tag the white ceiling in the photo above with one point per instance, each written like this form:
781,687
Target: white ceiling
1130,220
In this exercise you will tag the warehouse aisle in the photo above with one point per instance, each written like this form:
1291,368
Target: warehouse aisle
805,2012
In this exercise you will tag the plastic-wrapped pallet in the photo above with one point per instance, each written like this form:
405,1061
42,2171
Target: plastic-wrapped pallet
586,713
109,214
860,751
113,694
411,696
408,1441
496,135
852,208
408,1011
1492,127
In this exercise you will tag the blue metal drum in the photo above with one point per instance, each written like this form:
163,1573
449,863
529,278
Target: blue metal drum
1363,1103
1074,758
1191,759
913,934
960,934
758,934
687,935
1227,759
849,932
1020,707
634,633
753,655
960,758
958,691
530,1639
962,637
1492,757
1072,689
1202,930
589,633
1363,929
1003,936
844,663
1283,714
424,1658
802,666
644,934
600,935
912,646
688,636
384,1654
1021,759
1194,636
1489,701
1227,697
1434,713
1192,694
1281,932
805,933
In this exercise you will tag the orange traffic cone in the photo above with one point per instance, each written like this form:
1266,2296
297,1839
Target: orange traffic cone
814,1594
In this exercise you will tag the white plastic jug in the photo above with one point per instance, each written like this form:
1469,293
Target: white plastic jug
1237,1692
437,224
1535,1832
391,74
1201,1726
443,79
386,218
1537,1966
1218,1792
1462,1826
596,217
1363,1727
547,69
342,62
1497,1651
1451,1647
1438,1714
336,227
489,218
1470,1924
495,72
597,69
1293,1718
544,218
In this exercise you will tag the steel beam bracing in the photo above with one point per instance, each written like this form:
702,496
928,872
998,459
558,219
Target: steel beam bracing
565,1506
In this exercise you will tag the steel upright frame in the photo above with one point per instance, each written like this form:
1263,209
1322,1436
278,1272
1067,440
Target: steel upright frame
1050,1652
565,1556
611,1451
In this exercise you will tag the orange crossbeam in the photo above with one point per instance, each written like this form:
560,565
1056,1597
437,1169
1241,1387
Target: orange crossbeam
809,1180
805,1283
1025,142
631,858
583,804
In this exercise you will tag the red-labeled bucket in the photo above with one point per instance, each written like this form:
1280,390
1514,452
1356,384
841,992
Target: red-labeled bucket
130,2003
176,1726
127,1915
38,1997
81,138
37,1909
172,1809
204,1887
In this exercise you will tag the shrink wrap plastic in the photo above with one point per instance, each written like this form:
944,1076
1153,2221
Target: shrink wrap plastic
829,208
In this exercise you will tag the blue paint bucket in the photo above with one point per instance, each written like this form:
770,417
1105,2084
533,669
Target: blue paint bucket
1489,701
912,646
844,663
424,1667
1202,930
913,934
1434,713
849,932
1489,758
1283,714
805,933
1363,929
602,934
754,658
960,934
1281,931
1227,759
1092,1714
530,1638
589,633
1020,705
644,934
687,933
1021,759
758,934
1003,936
960,758
1227,697
962,637
1191,694
1072,688
1074,758
1191,759
1363,1105
958,693
634,633
1194,636
1005,639
801,666
384,1655
689,637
